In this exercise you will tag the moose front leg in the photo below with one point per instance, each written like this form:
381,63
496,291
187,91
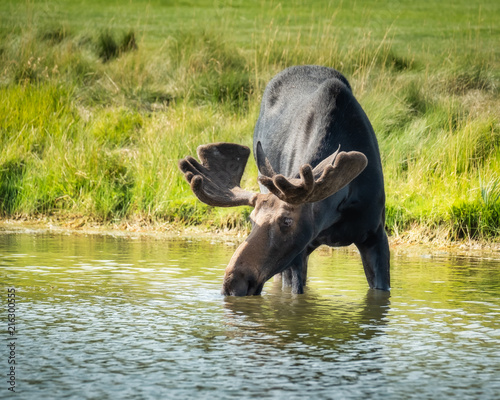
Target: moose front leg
376,260
295,276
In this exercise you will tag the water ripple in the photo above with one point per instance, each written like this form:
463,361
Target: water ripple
111,318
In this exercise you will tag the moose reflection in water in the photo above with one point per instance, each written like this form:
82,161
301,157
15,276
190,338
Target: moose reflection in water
312,192
324,322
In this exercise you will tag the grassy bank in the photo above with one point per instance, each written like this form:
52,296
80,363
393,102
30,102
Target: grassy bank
99,101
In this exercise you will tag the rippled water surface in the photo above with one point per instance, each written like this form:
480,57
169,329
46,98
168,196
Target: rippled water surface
123,318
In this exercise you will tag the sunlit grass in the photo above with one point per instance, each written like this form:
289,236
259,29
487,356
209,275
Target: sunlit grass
95,115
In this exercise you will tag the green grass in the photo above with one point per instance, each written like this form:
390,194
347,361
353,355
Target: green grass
100,99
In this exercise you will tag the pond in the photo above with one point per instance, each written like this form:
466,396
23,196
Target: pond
108,317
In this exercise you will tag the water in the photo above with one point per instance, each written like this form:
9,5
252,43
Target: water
123,318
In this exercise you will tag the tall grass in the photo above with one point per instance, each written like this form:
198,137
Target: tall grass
93,121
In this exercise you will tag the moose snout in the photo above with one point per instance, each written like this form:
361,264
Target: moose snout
235,287
237,284
242,276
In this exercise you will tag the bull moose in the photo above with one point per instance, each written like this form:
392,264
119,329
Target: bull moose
320,177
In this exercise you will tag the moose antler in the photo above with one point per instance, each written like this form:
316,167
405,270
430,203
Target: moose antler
216,181
327,178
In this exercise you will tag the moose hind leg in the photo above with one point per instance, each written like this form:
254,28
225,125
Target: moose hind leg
376,259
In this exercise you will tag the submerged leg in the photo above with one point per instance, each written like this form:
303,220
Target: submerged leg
295,276
376,259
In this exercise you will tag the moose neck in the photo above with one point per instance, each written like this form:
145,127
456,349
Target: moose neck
326,212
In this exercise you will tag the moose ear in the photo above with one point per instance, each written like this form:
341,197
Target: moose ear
263,163
216,180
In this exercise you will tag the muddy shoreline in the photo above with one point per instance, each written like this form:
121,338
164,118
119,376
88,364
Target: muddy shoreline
416,240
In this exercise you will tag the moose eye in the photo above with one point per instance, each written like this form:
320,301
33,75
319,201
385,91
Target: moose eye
287,222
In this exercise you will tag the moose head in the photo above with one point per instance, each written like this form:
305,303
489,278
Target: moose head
283,220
